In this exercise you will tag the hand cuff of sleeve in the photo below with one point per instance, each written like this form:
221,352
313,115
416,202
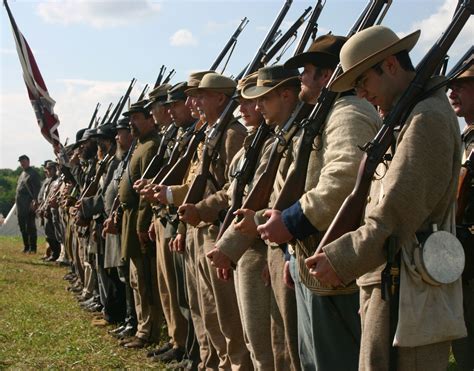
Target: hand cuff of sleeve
297,223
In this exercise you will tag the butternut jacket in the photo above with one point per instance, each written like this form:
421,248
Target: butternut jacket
417,190
332,172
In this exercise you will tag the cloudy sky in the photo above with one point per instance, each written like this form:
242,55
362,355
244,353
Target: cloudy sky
89,50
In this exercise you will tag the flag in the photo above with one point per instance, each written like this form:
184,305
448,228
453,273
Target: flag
42,103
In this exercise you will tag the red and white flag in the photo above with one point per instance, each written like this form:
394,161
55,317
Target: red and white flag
42,103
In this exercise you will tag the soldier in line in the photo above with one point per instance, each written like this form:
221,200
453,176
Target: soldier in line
135,241
404,203
461,97
331,175
27,189
217,298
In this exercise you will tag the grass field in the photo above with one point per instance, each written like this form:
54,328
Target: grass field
41,325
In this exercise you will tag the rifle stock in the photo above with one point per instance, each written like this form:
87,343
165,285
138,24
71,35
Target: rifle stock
245,174
377,148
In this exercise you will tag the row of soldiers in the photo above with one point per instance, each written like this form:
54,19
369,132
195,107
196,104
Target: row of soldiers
257,294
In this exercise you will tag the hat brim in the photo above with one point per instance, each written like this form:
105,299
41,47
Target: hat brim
254,91
346,80
194,91
317,58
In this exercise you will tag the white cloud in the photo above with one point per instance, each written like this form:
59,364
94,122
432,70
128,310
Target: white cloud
99,14
183,37
432,27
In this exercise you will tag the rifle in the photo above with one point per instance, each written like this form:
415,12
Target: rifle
198,187
122,102
350,214
179,170
93,117
465,179
230,44
180,145
169,77
142,94
157,161
93,186
104,119
295,181
291,32
311,29
160,76
245,174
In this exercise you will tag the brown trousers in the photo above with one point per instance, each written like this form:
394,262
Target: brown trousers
166,276
254,299
283,312
207,352
147,305
219,302
374,349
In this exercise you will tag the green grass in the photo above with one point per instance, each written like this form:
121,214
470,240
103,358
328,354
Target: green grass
41,325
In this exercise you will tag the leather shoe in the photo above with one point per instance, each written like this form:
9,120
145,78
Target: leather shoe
162,349
174,354
117,329
135,343
96,307
128,332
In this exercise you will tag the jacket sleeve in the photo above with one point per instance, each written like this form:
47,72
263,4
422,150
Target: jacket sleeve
413,186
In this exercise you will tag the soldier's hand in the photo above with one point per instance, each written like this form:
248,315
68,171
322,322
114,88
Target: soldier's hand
287,279
139,184
188,213
319,267
147,193
246,225
151,232
274,230
160,194
143,238
224,274
178,244
107,226
218,259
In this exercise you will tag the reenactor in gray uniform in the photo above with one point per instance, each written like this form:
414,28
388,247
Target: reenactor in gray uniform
462,100
27,190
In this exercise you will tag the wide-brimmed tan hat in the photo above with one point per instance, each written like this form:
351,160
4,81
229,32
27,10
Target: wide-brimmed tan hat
247,81
270,78
468,74
214,82
323,52
195,78
367,48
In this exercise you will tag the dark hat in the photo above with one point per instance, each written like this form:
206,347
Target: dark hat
106,131
323,52
123,123
80,134
195,78
270,78
468,74
23,157
49,163
158,95
176,92
139,106
249,80
214,82
88,134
